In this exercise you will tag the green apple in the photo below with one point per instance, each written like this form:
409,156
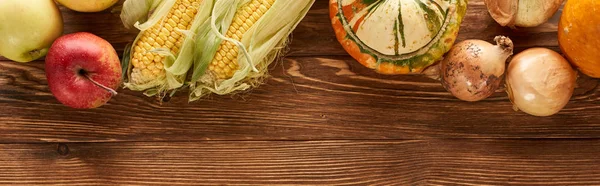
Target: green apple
28,28
87,5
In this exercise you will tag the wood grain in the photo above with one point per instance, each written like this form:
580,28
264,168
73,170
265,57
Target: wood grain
307,98
397,162
315,93
321,119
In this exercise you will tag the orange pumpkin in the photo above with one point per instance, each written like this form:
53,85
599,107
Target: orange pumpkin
578,31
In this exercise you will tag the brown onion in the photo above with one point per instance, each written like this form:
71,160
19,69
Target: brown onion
540,81
522,13
473,69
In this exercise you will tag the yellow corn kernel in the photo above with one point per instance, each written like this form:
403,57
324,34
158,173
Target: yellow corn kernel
148,66
225,63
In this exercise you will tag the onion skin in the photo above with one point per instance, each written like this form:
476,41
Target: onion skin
522,13
540,81
532,13
473,69
504,12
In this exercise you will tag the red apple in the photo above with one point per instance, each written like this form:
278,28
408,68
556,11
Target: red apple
83,70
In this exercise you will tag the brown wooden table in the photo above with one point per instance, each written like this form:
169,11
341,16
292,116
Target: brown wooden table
322,119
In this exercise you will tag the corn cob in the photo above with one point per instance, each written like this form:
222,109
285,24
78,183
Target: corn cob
148,65
224,63
258,29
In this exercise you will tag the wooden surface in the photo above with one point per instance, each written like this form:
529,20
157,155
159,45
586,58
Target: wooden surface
322,119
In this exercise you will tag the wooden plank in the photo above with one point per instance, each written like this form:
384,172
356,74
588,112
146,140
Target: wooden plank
320,97
411,162
314,35
307,98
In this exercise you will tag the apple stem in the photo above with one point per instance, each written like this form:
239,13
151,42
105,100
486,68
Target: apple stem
113,92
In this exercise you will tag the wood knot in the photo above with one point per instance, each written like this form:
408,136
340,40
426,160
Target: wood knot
62,149
166,99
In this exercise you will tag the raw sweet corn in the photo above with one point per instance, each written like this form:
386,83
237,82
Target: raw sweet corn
237,58
224,64
147,65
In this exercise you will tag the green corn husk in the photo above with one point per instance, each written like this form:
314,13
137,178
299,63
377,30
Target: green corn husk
143,14
259,47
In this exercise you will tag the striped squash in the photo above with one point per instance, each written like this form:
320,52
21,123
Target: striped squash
397,36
